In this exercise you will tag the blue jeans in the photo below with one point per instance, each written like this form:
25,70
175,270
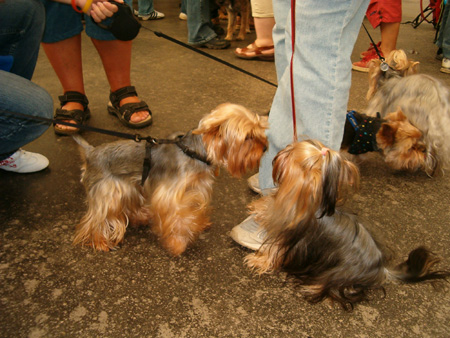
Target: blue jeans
443,40
145,7
19,95
21,28
325,34
199,22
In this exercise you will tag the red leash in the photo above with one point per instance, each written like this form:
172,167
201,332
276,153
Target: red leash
294,120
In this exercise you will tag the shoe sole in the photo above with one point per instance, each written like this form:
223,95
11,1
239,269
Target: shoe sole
262,57
445,70
360,69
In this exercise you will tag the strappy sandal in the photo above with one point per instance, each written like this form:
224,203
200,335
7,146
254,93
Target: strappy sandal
258,53
77,115
125,111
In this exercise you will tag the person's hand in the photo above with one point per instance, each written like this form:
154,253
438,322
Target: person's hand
102,9
99,10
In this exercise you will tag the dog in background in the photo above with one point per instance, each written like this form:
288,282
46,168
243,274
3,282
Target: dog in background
424,100
235,8
329,253
398,141
175,198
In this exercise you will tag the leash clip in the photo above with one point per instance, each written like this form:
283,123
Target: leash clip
384,66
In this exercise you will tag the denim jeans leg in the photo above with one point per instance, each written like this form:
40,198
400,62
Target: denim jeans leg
20,95
325,35
145,7
443,40
20,33
199,22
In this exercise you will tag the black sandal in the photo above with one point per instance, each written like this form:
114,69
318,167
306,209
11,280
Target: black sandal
77,115
125,111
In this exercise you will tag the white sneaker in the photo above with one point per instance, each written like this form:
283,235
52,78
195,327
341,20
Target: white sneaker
24,162
155,15
253,183
445,66
249,234
182,16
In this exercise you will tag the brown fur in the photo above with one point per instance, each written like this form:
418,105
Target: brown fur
327,252
235,8
175,198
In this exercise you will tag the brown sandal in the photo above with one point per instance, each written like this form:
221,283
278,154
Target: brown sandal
125,111
258,53
77,115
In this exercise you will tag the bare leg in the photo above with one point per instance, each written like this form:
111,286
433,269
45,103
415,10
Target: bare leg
263,28
118,73
65,58
389,35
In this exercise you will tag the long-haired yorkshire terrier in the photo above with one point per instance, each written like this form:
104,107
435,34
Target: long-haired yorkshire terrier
329,253
174,199
424,100
398,141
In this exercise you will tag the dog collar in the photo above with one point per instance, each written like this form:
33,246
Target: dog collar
365,134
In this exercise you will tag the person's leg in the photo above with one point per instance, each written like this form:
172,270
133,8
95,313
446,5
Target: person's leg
21,29
118,73
262,12
199,22
264,28
325,35
389,34
264,40
62,45
145,7
443,41
19,95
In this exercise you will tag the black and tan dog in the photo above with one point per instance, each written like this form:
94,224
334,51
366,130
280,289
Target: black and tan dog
175,198
234,9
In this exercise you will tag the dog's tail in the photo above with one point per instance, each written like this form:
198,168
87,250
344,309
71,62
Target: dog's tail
418,268
82,142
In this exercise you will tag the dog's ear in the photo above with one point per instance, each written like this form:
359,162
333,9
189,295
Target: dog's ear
339,178
413,68
396,116
299,182
386,135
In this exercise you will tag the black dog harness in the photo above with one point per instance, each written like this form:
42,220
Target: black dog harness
151,142
365,133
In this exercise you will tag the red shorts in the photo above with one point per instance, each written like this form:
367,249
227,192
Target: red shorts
384,11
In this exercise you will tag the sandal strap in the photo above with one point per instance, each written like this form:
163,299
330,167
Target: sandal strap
72,96
121,93
77,115
129,109
256,49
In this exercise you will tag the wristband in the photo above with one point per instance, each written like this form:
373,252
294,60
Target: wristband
87,5
74,6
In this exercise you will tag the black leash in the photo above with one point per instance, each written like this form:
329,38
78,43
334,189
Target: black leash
151,141
384,65
178,42
134,137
